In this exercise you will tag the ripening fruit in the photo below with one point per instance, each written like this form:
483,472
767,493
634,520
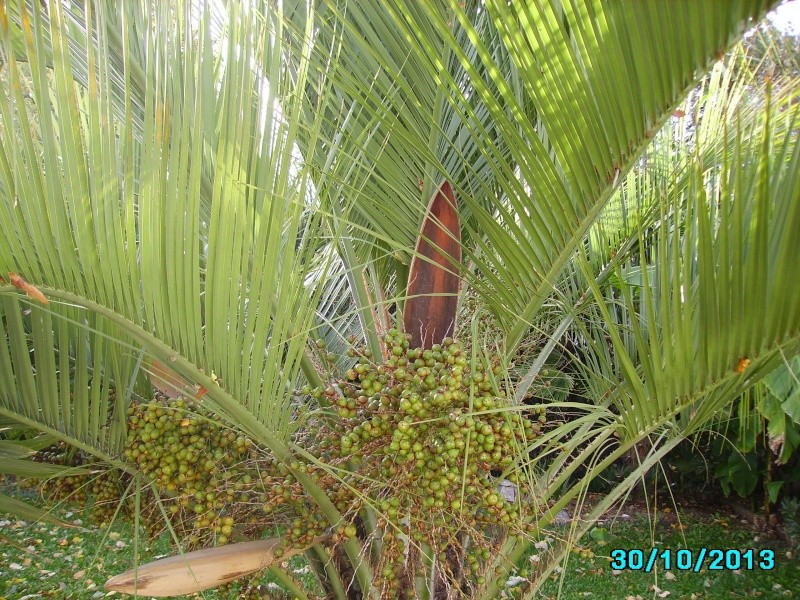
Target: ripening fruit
417,437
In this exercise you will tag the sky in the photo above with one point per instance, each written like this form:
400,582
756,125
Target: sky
787,16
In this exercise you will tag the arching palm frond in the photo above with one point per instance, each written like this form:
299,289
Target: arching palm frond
694,318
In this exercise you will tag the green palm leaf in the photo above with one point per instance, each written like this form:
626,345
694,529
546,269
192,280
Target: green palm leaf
691,333
507,88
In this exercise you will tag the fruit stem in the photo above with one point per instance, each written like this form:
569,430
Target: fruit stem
288,583
321,562
425,576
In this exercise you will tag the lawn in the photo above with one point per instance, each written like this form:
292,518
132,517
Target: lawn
39,560
589,572
45,561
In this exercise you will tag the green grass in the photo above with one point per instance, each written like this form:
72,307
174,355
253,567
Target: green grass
39,560
588,573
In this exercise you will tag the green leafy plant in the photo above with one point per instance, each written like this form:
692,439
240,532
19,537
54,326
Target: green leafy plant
765,435
740,473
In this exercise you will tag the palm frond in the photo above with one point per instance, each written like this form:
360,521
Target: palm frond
542,136
702,322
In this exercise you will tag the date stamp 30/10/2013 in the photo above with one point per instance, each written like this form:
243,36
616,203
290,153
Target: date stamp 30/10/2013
713,559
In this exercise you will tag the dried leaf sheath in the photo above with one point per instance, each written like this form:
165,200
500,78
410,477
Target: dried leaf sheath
200,570
433,283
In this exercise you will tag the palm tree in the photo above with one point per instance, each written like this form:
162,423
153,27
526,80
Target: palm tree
211,185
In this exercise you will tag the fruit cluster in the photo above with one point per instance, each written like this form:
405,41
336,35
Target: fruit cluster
72,488
424,439
412,450
106,488
200,466
58,453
